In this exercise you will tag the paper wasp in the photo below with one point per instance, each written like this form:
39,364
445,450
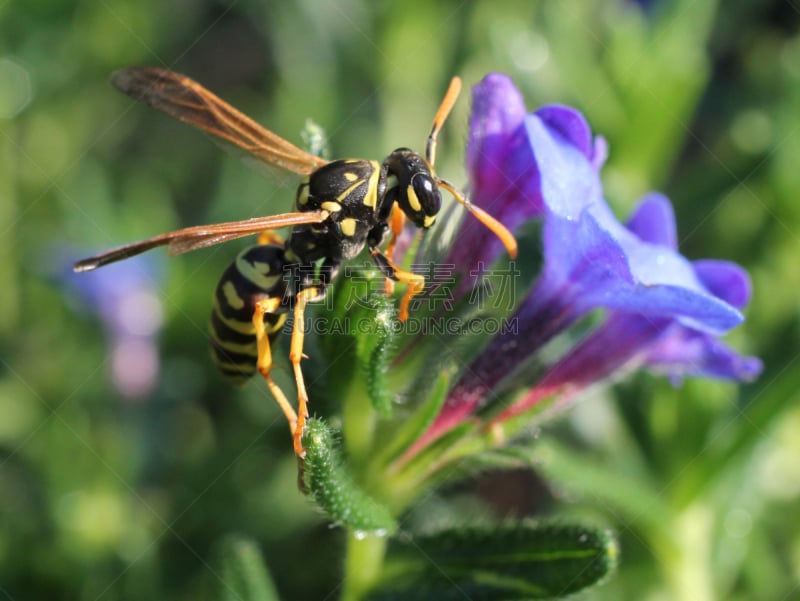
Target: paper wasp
342,206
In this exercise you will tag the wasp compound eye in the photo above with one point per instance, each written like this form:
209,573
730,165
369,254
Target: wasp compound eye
424,196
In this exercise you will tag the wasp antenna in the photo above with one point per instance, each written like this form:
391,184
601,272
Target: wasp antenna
497,228
445,107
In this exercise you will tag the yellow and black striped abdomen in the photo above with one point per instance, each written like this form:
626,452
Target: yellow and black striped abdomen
257,273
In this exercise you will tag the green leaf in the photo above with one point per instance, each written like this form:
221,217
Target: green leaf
332,488
456,443
512,561
413,427
242,575
603,484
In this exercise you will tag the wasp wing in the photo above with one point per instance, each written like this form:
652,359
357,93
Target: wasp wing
185,99
201,236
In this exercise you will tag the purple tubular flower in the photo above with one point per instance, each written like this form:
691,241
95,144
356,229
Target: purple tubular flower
504,176
501,169
684,351
629,340
662,309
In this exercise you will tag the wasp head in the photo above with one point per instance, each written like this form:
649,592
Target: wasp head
422,200
414,187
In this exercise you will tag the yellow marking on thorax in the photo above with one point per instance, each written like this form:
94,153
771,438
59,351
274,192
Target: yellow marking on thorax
349,190
428,221
371,197
302,193
232,297
348,226
350,176
331,206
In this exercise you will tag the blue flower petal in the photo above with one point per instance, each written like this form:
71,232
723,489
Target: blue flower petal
582,261
571,125
653,221
604,265
601,262
683,352
599,153
726,280
569,183
498,111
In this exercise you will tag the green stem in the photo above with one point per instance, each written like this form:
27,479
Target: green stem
358,423
363,562
689,571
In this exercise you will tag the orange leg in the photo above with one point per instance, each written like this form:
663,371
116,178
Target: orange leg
264,361
295,356
415,282
270,237
397,220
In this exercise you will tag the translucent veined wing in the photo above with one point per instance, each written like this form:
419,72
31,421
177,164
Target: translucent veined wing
201,236
185,99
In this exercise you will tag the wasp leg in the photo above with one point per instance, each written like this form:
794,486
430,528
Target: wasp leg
264,361
396,222
269,237
295,356
415,282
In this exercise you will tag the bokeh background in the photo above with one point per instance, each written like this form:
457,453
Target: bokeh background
125,459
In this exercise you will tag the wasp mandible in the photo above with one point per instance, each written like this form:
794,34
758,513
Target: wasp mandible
342,206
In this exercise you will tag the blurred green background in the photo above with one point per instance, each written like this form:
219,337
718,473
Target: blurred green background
124,458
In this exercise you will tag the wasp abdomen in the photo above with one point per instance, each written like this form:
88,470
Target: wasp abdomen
257,273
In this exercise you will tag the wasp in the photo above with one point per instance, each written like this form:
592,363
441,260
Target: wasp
341,207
